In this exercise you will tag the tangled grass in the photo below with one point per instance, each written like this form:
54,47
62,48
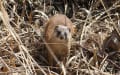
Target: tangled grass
95,46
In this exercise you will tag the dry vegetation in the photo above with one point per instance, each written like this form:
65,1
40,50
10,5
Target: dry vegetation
95,45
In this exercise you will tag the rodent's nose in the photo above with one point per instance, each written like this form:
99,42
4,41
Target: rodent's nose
64,36
61,37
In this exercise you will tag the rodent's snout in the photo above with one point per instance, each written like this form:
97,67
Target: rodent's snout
63,36
62,33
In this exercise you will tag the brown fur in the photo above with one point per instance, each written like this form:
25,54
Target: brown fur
60,50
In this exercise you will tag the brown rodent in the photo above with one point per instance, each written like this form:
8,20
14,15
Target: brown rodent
58,33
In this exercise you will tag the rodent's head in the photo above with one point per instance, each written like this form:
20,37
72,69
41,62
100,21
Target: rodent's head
62,32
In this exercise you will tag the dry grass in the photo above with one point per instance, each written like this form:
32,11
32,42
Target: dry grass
22,45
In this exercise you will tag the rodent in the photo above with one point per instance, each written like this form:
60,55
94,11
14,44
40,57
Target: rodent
58,33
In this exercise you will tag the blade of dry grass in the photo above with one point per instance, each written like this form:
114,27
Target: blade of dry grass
28,60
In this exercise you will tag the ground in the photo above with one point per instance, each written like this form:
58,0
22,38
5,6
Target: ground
95,45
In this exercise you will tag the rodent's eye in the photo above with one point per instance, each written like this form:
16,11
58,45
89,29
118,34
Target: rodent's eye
58,33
